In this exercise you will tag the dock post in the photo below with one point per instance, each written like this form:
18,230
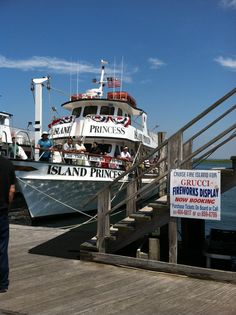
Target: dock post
103,226
233,159
175,155
131,203
154,248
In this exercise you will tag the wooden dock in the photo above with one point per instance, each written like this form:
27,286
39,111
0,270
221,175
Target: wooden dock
48,278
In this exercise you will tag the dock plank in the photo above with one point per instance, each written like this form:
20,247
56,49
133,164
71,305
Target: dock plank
42,283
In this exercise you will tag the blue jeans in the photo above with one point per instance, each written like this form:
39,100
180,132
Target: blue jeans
4,240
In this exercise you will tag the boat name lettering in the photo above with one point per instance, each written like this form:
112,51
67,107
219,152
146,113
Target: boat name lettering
103,173
146,140
67,171
139,136
107,129
61,130
82,172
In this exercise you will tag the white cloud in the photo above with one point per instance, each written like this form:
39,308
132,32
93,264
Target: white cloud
52,64
156,63
61,66
228,3
227,62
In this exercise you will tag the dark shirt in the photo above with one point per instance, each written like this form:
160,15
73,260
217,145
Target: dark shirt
95,150
7,178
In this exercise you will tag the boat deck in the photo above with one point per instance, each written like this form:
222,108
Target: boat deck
48,278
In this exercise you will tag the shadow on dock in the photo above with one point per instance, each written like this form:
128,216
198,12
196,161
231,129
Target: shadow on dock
66,245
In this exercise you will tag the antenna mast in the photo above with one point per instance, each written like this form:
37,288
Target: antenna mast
37,86
101,82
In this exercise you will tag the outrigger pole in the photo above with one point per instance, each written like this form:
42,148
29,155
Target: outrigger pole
38,85
101,82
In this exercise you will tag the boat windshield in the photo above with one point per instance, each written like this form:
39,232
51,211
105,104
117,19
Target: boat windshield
107,110
119,112
77,112
90,110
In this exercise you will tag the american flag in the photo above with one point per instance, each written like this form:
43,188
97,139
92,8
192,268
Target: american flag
113,82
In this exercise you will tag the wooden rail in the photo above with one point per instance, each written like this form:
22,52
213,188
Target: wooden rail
181,150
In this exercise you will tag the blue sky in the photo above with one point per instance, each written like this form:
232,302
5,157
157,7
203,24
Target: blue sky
179,56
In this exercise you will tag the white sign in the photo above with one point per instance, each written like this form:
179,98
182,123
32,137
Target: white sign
195,194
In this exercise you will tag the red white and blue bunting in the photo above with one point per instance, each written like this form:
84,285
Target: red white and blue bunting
115,119
62,120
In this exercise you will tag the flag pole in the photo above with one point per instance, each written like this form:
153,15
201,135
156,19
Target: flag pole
114,76
121,75
77,78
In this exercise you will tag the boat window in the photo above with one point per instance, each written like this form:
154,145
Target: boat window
90,110
119,112
117,151
128,115
107,110
76,112
105,147
88,146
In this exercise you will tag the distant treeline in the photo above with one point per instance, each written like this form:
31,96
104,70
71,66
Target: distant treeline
213,161
217,161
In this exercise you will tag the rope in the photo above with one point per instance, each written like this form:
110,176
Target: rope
122,185
86,222
91,219
54,199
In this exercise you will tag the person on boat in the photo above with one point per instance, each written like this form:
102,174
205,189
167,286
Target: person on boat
57,153
79,146
45,145
80,149
106,160
126,157
16,151
7,191
95,148
68,147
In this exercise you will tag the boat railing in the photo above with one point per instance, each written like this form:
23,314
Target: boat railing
89,159
191,144
24,138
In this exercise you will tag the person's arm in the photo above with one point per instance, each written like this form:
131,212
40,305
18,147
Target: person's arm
51,145
11,193
38,145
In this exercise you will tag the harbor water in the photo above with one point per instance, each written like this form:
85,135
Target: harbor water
228,200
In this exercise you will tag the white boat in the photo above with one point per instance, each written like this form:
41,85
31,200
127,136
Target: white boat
111,120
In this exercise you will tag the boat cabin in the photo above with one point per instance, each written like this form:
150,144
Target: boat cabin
5,132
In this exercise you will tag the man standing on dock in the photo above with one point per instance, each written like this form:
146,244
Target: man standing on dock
7,190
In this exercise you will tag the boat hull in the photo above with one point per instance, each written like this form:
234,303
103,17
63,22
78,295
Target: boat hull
54,189
55,197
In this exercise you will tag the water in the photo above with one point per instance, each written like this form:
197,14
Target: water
228,209
228,201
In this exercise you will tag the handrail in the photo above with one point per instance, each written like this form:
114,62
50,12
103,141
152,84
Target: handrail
31,146
222,134
173,152
165,143
212,123
209,109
